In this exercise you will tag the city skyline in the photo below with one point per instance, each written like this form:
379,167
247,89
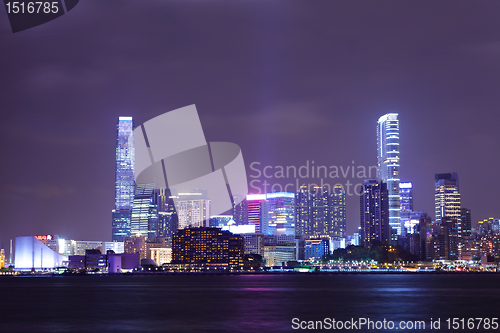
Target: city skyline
320,105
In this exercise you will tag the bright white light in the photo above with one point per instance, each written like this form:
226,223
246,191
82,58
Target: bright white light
256,197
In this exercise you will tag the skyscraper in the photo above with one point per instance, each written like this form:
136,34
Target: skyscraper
124,179
320,212
302,211
388,164
337,213
374,206
144,220
448,212
446,197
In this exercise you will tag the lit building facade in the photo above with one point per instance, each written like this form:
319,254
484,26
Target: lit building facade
302,211
144,218
281,213
207,247
136,244
80,247
406,194
2,258
124,179
388,164
320,211
278,255
447,197
254,243
116,247
161,255
337,213
258,212
315,249
193,213
167,215
374,213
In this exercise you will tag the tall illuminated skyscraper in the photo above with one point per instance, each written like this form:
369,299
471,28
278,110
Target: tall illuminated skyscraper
124,179
447,197
388,164
144,220
338,213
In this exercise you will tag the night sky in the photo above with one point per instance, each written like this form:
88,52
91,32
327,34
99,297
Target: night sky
288,81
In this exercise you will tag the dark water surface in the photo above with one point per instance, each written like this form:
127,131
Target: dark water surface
238,303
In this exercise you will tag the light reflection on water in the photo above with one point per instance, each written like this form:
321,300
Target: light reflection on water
244,303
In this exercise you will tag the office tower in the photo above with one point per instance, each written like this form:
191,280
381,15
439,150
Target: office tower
258,212
406,194
447,197
337,213
2,258
388,164
144,217
281,213
124,179
374,204
207,247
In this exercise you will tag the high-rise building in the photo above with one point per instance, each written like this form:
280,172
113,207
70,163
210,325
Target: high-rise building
320,212
337,213
2,258
281,213
302,213
447,197
406,194
124,179
144,217
258,212
388,164
374,213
